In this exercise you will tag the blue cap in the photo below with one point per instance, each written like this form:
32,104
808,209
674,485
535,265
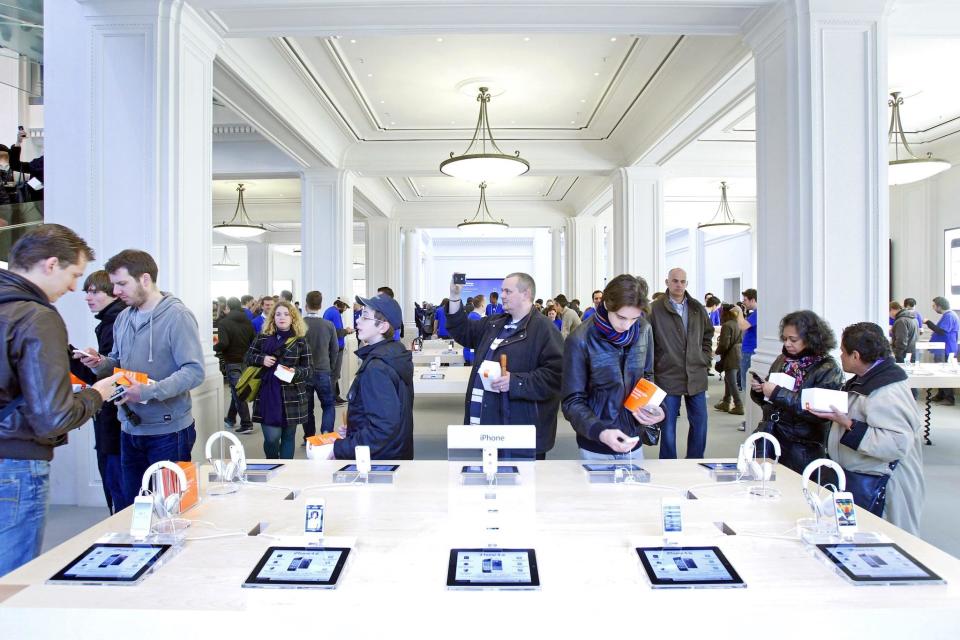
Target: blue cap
385,305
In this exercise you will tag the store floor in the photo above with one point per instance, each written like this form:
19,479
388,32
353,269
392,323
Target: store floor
432,415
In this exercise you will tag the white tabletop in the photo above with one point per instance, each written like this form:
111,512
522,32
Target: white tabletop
454,382
421,358
926,375
930,345
583,534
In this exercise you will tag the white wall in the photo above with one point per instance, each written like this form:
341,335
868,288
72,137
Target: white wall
287,267
919,214
230,282
727,257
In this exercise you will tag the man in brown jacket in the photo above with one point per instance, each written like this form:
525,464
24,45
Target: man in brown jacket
682,337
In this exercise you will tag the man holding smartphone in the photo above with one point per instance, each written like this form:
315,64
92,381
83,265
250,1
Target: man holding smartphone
528,393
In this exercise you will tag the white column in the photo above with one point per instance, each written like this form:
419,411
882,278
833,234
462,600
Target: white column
260,282
822,218
581,245
557,266
128,118
327,233
411,277
638,236
384,263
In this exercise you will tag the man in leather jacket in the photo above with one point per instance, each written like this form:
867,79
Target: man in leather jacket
602,361
529,393
37,405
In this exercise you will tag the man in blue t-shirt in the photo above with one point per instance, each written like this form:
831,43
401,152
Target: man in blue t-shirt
944,331
266,307
334,314
748,325
494,306
597,299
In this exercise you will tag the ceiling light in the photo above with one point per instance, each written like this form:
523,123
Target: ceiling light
240,225
439,39
911,168
352,41
225,263
483,160
369,75
482,220
613,39
596,73
583,99
526,39
723,223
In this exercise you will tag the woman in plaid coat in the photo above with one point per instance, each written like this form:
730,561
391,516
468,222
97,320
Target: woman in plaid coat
285,357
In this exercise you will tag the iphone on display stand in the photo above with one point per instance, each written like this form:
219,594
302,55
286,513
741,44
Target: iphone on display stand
313,518
142,520
845,514
671,520
362,454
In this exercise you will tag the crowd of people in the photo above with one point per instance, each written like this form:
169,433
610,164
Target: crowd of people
557,357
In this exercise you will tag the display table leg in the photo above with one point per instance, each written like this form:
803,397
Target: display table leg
926,418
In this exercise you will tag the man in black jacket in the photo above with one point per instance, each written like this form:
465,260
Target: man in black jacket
322,338
37,405
683,353
529,393
234,334
106,424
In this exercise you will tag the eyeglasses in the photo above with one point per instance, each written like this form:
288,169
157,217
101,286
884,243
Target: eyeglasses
370,317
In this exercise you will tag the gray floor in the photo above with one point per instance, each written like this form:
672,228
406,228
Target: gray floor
940,520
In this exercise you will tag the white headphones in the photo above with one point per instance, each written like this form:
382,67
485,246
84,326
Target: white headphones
822,508
164,505
747,463
227,471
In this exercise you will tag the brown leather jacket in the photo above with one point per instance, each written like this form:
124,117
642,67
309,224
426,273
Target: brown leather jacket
35,364
681,357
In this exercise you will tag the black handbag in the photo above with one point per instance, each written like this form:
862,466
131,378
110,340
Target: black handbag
650,434
869,490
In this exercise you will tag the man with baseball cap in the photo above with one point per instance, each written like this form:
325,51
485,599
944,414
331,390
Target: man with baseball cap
380,400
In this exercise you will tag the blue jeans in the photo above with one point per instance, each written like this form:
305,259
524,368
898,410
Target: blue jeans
111,475
278,442
139,452
743,383
636,454
236,405
323,386
696,436
24,489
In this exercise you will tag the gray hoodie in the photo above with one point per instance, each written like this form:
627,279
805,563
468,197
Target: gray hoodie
165,344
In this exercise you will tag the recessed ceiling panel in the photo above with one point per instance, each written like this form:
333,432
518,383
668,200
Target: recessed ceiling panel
524,187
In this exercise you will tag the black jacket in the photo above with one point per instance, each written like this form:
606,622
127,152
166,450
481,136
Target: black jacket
380,404
801,434
597,378
106,424
905,332
235,334
534,360
34,363
683,356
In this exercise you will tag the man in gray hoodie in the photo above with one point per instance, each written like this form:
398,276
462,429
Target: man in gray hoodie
157,335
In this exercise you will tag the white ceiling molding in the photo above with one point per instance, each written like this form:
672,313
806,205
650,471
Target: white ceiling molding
265,18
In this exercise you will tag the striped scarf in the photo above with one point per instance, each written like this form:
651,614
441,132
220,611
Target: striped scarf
602,323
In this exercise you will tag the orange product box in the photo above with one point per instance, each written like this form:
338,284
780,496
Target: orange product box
171,484
129,377
77,383
323,438
645,393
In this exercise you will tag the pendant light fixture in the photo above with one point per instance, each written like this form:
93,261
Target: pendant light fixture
723,223
911,168
240,225
225,263
483,159
482,221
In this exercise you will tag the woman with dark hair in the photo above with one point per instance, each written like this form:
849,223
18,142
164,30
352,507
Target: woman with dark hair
877,441
603,360
807,341
729,349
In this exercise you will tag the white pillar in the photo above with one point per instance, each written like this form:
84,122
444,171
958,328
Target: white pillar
259,280
384,262
638,235
556,262
581,248
327,233
822,218
128,160
411,277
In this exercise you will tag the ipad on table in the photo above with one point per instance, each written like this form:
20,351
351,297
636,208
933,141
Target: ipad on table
374,468
688,567
299,568
475,469
879,563
111,563
493,569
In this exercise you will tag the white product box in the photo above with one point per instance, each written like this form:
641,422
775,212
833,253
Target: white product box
782,380
821,399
